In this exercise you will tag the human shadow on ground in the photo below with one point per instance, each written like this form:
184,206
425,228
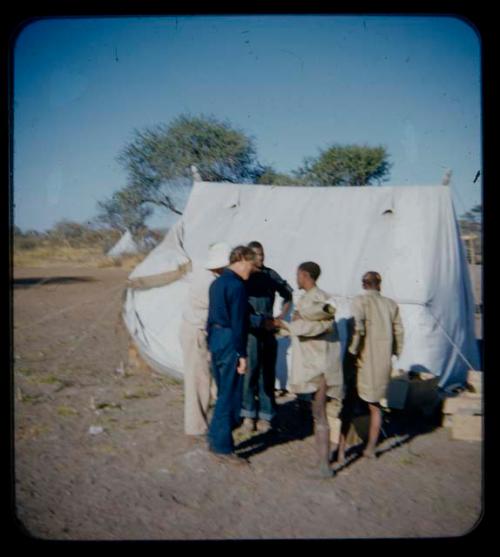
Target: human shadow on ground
421,414
398,428
41,281
293,422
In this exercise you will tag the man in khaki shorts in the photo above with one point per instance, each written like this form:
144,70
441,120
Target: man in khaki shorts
378,335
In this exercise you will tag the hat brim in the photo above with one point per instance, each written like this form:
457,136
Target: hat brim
216,263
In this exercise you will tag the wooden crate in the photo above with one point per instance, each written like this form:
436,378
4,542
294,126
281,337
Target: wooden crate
447,420
466,403
475,381
466,427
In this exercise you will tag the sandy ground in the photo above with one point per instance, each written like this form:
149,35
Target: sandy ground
141,478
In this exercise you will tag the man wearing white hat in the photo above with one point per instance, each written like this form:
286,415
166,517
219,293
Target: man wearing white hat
197,376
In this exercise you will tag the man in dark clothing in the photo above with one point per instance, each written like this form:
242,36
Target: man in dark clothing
259,381
227,327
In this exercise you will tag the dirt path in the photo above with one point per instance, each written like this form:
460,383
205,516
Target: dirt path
141,478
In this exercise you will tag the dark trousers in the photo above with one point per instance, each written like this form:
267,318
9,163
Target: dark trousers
260,378
226,416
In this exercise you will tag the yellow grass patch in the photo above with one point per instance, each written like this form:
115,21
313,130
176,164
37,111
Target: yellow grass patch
105,449
45,255
46,379
31,432
140,393
66,411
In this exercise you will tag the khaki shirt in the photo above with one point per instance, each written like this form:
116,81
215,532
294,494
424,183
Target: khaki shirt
315,346
378,334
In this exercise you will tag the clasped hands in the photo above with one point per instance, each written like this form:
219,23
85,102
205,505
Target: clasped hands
278,323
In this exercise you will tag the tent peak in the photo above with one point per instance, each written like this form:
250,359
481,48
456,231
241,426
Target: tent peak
195,173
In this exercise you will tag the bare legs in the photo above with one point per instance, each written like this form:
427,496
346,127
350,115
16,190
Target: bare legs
375,425
344,428
322,429
373,433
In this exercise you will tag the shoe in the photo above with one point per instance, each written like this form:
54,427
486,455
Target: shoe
263,426
231,458
248,424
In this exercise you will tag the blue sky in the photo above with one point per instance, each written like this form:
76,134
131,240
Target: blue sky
295,83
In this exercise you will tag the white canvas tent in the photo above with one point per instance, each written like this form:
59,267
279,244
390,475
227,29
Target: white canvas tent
408,234
125,245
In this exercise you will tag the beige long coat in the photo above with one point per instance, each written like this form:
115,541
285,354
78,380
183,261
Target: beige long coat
378,334
315,346
199,388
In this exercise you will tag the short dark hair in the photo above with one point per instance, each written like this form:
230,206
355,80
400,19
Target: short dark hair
372,279
240,253
313,269
256,244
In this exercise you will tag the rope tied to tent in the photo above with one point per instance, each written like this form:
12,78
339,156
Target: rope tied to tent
451,340
427,305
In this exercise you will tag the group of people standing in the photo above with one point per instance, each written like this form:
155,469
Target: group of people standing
229,341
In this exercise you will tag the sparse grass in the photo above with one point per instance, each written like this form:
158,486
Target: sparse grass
25,371
66,411
47,379
140,423
44,254
140,393
108,406
21,396
167,379
31,432
125,261
105,449
105,261
50,379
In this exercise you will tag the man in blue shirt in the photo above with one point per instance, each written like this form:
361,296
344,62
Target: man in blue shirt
259,381
227,327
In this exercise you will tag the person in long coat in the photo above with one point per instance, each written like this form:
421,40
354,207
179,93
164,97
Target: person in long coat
198,385
316,365
378,335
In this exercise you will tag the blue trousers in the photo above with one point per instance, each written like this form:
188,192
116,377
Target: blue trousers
226,416
259,380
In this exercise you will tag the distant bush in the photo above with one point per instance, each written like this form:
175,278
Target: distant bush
72,242
76,235
25,243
